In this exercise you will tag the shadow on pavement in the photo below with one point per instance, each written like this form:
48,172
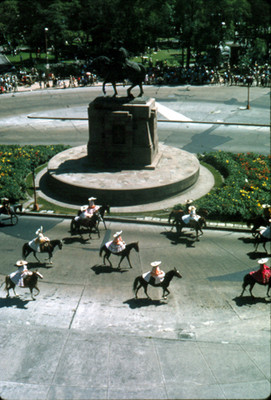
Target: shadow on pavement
138,303
188,240
13,301
248,300
106,269
71,240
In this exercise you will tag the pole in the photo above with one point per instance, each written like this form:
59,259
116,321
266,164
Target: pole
36,206
248,105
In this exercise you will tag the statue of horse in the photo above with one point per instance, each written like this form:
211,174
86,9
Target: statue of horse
250,280
47,247
140,281
124,253
113,72
30,281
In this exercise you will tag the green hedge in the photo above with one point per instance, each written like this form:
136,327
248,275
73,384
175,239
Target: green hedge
16,162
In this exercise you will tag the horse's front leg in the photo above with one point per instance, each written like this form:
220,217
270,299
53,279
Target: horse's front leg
165,294
129,94
141,89
37,289
268,288
31,291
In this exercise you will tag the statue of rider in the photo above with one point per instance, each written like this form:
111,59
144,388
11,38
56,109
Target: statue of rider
119,56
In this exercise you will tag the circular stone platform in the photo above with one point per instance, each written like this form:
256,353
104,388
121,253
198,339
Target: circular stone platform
71,178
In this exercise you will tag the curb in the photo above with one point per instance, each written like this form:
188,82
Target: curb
146,221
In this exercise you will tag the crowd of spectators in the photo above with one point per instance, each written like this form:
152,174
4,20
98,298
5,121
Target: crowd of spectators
162,74
158,74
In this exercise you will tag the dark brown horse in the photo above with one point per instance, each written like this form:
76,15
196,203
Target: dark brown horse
256,223
140,282
176,217
249,280
123,254
47,247
260,239
30,281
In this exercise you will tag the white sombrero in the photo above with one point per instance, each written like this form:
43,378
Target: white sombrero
20,263
156,263
192,208
117,234
92,198
40,230
263,260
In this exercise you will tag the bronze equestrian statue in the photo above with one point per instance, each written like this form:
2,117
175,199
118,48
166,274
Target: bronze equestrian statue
118,69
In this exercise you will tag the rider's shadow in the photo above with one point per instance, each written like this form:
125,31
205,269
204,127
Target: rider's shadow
145,302
249,300
106,269
13,302
176,238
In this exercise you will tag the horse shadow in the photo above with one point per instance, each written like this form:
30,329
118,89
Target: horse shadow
77,239
180,238
249,240
254,255
249,300
144,302
13,301
35,265
106,269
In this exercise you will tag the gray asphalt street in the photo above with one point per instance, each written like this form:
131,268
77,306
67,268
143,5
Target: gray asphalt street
87,337
203,103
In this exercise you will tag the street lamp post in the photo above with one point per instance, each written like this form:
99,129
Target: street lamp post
46,51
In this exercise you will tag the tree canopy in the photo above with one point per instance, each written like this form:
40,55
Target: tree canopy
93,25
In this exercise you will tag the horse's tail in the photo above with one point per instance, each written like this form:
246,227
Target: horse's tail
135,283
24,250
101,250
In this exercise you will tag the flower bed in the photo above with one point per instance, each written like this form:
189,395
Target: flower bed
245,189
16,162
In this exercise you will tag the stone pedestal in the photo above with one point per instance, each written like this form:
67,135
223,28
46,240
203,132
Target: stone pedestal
122,133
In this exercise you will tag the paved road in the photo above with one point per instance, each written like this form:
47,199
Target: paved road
203,103
86,337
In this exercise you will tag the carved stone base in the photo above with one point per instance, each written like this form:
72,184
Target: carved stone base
122,132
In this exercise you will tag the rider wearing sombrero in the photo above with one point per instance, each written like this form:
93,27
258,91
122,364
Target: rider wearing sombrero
89,210
263,274
18,276
39,240
117,244
156,275
191,216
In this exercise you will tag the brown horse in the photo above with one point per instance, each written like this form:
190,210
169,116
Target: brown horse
30,281
47,247
260,239
124,253
140,281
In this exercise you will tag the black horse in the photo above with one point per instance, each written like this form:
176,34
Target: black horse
47,247
249,280
256,223
260,239
140,281
124,253
112,72
30,281
196,225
